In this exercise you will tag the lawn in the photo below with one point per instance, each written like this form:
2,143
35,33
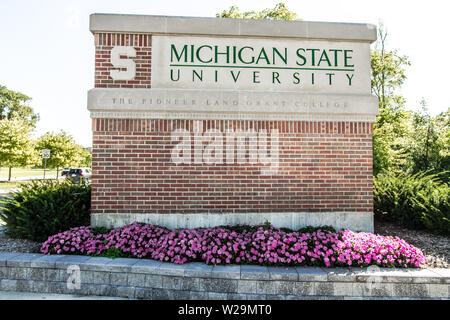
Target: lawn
5,185
25,172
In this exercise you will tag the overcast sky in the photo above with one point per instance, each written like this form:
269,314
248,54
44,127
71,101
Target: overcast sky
47,51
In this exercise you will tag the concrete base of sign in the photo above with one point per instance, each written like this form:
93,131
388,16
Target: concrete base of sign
357,221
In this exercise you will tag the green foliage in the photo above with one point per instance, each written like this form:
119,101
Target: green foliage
13,105
310,229
404,141
279,12
16,146
45,208
391,136
64,152
84,157
241,228
388,73
17,121
391,129
267,225
429,147
114,252
251,228
414,201
100,230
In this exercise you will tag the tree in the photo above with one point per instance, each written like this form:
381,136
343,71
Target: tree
64,151
84,157
391,129
16,146
279,12
14,105
430,142
388,69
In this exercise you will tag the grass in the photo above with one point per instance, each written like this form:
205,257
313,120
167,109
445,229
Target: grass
5,185
25,172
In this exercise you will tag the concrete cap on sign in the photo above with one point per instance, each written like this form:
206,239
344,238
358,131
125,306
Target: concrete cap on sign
100,22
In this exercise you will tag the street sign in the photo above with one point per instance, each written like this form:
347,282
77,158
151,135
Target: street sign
45,154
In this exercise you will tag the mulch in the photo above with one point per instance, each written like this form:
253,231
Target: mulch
436,248
9,244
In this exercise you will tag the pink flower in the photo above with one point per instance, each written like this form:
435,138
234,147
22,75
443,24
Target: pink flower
253,245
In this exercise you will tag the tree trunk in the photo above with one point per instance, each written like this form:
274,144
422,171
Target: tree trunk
9,175
57,173
427,142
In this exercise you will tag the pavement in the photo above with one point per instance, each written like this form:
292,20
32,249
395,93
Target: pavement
9,295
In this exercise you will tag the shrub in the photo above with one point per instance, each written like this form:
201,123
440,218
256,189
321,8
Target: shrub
435,209
261,245
43,208
414,201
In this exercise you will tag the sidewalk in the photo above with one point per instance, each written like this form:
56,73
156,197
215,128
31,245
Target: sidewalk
157,280
8,295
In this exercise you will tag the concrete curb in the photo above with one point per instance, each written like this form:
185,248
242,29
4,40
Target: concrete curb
150,279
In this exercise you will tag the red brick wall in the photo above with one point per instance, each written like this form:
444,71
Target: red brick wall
104,42
324,166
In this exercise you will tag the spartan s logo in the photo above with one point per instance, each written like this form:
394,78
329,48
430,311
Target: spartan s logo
128,64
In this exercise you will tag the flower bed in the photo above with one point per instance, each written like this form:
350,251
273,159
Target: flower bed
242,244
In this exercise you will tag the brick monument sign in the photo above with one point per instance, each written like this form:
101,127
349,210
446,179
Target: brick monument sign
210,121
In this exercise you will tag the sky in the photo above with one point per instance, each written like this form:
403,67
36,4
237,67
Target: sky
47,50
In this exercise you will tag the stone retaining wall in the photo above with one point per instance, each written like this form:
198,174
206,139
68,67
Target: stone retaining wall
149,279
